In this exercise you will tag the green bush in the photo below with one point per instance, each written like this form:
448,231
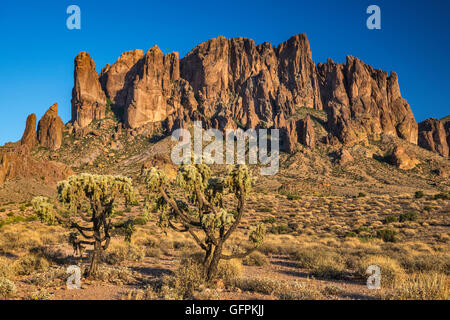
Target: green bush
419,194
408,216
387,235
292,196
390,219
280,229
443,196
361,195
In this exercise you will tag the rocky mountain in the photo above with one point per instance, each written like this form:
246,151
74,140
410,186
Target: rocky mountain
230,83
434,135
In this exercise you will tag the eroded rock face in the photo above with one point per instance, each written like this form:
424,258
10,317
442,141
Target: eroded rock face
29,135
255,83
402,160
230,83
16,162
147,99
433,136
50,129
118,78
88,98
362,103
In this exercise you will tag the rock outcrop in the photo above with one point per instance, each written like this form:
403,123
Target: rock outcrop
253,82
433,136
117,79
230,83
362,103
88,98
50,129
29,135
402,160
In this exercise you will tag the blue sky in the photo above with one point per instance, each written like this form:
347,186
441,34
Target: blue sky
37,50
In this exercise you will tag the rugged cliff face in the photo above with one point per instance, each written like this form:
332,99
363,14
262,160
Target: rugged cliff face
50,129
230,83
434,136
362,102
88,98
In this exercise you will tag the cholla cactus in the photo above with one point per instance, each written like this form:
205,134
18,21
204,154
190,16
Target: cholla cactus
89,200
204,211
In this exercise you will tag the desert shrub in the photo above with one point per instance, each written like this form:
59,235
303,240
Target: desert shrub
361,195
148,293
259,285
29,264
153,252
332,290
443,196
229,270
350,234
408,216
285,290
5,269
419,194
426,263
299,291
387,235
256,259
187,278
321,262
50,278
293,196
116,275
270,219
390,269
280,229
390,219
42,295
120,252
7,288
420,286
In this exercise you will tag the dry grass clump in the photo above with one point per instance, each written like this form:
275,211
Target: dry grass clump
7,288
187,278
321,262
51,278
29,264
148,293
286,290
391,271
229,270
119,252
420,286
256,258
5,269
118,275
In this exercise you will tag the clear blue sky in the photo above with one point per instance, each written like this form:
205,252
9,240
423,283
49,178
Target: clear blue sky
37,50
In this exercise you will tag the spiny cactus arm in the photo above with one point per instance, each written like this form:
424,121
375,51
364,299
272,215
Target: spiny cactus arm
184,217
82,230
240,213
46,211
83,217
